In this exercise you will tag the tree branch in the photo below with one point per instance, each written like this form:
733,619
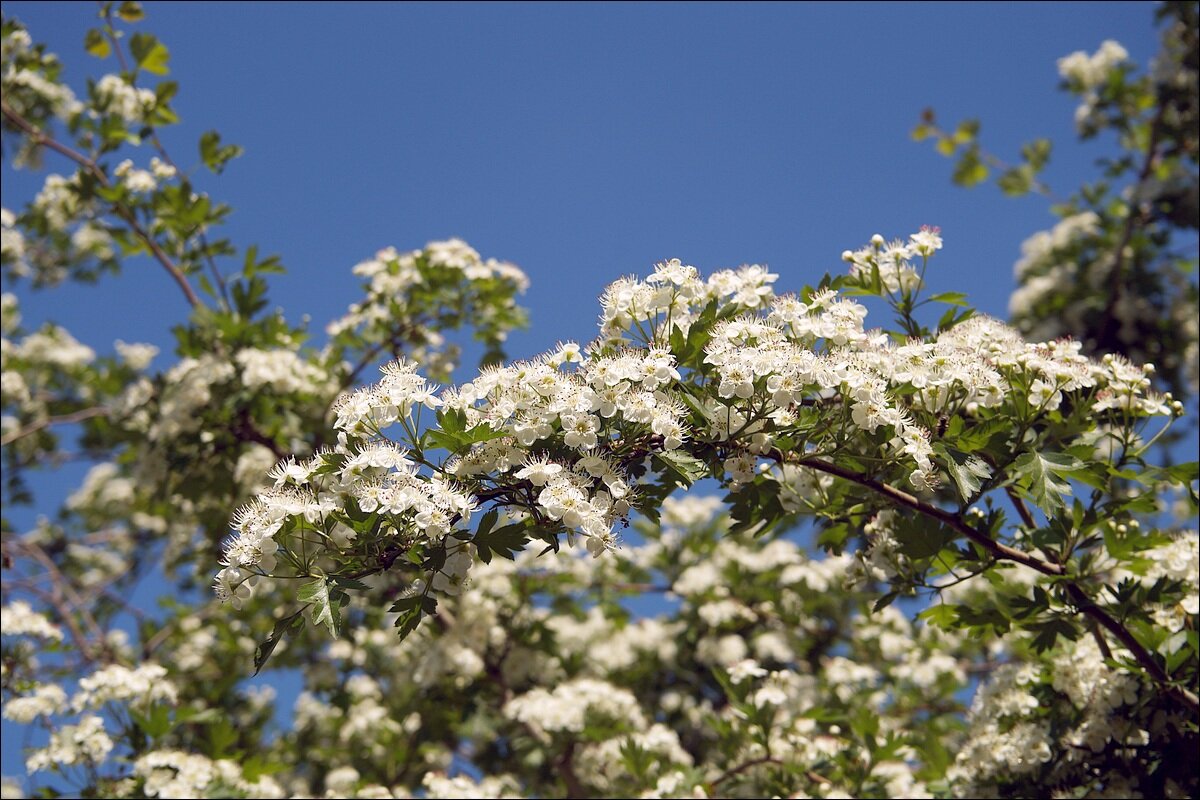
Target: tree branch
566,767
64,600
952,521
1079,597
45,140
63,419
733,772
1131,220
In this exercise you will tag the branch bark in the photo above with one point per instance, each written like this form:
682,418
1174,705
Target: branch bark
1083,603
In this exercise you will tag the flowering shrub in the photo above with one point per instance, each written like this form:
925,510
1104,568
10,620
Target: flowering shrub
1116,272
921,559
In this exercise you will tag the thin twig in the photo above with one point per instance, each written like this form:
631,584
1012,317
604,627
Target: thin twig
55,598
162,151
740,768
1131,220
45,140
62,419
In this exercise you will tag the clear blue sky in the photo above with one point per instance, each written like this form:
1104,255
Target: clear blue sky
585,141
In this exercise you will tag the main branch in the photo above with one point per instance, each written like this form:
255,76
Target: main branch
1079,597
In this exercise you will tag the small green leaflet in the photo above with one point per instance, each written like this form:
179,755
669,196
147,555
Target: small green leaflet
684,469
325,608
951,298
941,616
410,611
966,470
1049,631
96,43
453,434
1036,474
149,53
214,154
289,624
504,542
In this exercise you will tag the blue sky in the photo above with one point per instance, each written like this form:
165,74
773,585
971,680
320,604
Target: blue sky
583,142
587,141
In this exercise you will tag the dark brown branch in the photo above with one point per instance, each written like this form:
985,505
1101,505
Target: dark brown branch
1079,597
245,430
566,768
1022,509
952,521
1088,606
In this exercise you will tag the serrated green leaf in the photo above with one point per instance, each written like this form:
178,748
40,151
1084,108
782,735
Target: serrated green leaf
504,542
966,470
349,583
408,620
685,469
324,608
1036,474
155,723
282,628
940,615
1049,631
215,155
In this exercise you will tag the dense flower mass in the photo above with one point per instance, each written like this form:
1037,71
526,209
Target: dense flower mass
559,437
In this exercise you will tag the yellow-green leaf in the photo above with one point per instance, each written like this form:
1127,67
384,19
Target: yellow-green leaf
96,43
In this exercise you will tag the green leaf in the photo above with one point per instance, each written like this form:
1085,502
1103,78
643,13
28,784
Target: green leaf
684,469
919,537
970,170
149,53
1036,474
96,43
452,421
325,609
156,723
884,602
953,298
215,155
504,542
1037,153
966,470
1049,631
347,582
282,628
947,320
487,523
130,11
940,616
409,614
977,437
